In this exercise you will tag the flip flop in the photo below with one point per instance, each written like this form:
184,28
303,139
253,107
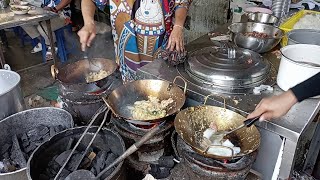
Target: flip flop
37,48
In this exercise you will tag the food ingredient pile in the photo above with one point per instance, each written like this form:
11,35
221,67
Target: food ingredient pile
96,76
150,109
308,21
217,144
257,34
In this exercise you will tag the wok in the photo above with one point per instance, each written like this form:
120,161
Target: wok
190,124
120,99
73,76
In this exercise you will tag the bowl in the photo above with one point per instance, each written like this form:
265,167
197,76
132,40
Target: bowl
262,18
304,36
257,37
19,10
258,9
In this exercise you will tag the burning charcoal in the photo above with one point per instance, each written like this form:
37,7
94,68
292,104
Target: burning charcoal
69,146
99,161
5,148
16,153
166,161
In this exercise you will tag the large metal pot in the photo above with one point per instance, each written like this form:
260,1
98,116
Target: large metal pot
11,99
304,36
105,140
298,63
25,121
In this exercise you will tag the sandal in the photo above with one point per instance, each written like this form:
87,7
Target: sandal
37,48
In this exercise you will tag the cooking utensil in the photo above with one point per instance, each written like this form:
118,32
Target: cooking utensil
101,110
126,95
304,36
262,18
191,122
91,63
73,76
247,123
11,98
298,63
260,45
88,175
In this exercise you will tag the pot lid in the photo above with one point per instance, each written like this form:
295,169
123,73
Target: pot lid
227,67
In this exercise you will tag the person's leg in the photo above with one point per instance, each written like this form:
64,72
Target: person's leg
33,32
56,23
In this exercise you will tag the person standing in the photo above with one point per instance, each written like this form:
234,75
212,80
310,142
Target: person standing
139,29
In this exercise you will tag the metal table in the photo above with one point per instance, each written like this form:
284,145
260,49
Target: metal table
283,133
19,20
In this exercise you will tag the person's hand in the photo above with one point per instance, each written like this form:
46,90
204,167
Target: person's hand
274,107
87,33
176,41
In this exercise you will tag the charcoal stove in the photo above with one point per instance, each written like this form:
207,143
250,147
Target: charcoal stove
83,105
200,167
151,151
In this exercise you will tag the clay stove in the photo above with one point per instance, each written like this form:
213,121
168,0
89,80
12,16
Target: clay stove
157,147
196,166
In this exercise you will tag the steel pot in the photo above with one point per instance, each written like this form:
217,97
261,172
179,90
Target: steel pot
11,99
25,121
257,44
304,36
298,63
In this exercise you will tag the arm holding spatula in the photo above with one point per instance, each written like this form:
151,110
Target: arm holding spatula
277,106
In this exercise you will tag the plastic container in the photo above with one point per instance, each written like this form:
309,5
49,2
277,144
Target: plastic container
287,26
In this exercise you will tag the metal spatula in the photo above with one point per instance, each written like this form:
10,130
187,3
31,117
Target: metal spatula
218,136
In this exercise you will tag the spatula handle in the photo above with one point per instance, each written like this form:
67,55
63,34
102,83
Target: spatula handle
250,122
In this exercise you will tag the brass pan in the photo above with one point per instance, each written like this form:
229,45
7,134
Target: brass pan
126,95
191,122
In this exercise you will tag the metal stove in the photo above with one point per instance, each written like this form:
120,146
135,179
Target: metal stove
208,168
284,134
151,151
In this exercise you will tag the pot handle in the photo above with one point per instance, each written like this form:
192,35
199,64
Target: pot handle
185,83
54,71
108,105
7,67
211,95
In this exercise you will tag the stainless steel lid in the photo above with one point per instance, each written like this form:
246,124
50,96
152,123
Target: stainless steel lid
233,68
